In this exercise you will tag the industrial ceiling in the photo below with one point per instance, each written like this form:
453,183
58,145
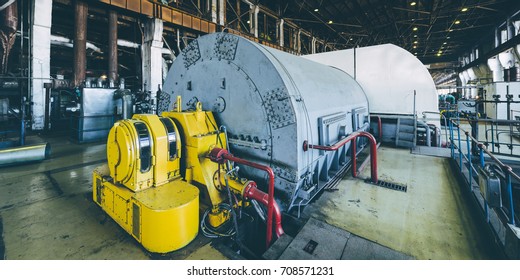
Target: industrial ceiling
434,30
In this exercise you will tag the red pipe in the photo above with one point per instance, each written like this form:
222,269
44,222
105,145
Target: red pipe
221,155
379,128
353,156
335,147
252,192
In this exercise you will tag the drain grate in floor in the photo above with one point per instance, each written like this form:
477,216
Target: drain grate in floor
388,185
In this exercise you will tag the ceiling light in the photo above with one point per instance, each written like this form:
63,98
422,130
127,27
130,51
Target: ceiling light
330,21
450,30
457,22
415,42
415,47
316,10
415,29
439,54
444,43
415,36
415,53
464,9
248,21
413,3
448,37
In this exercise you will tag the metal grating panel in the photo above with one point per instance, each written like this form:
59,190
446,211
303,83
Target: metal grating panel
388,185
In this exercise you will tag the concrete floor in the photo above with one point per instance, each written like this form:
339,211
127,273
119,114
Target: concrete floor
429,221
47,212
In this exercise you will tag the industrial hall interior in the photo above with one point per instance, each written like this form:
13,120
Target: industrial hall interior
259,130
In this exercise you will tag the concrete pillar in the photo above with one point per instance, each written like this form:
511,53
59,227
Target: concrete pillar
280,30
80,42
214,11
151,49
256,10
510,29
112,46
41,56
299,41
222,12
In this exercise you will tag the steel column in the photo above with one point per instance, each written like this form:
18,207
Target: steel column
80,42
112,46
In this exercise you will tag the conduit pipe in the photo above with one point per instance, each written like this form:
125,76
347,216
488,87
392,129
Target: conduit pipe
251,191
25,154
220,156
352,137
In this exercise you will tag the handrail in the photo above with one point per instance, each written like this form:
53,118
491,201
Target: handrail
352,137
506,168
379,127
221,155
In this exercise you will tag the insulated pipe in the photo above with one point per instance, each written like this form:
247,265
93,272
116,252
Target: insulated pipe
353,135
496,67
25,154
252,192
112,46
80,42
219,155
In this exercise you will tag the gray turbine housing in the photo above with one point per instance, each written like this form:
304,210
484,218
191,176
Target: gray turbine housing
270,103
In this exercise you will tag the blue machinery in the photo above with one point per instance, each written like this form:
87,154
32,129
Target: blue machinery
498,205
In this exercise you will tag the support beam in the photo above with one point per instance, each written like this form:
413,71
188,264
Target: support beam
214,16
299,41
80,42
314,40
152,56
280,30
222,12
40,60
112,46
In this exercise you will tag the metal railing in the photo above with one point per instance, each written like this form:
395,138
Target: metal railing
456,144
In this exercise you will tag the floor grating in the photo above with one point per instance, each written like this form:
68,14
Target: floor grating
388,185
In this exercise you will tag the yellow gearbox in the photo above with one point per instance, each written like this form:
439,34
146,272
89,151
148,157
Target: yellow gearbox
141,188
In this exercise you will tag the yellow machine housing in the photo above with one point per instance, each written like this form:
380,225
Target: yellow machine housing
141,187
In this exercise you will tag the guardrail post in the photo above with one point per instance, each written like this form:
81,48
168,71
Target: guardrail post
492,139
459,147
510,194
452,142
482,163
470,165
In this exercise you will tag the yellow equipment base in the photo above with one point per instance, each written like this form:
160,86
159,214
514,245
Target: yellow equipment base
162,219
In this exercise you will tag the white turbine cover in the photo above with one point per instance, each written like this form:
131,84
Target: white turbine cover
389,75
